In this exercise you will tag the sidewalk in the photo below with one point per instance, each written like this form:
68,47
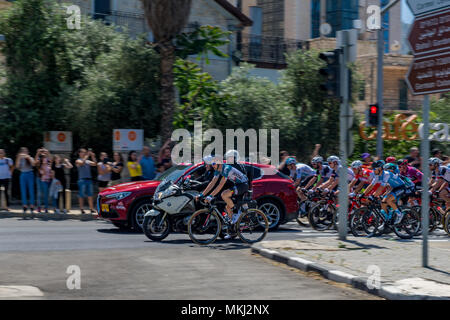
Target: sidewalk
74,214
359,261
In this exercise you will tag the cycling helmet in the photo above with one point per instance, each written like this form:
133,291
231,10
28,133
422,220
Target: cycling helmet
402,162
290,161
208,159
232,153
216,160
390,166
390,159
317,159
332,159
356,164
433,161
378,164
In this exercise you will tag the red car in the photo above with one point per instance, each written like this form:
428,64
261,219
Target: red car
126,204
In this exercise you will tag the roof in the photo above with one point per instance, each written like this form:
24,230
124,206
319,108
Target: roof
246,21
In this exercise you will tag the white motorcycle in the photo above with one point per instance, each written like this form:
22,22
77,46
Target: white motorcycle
173,205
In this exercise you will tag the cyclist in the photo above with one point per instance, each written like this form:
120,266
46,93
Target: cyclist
322,170
363,177
301,174
408,171
224,173
395,187
333,183
440,178
232,157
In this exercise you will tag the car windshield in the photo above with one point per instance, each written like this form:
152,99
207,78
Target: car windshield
173,173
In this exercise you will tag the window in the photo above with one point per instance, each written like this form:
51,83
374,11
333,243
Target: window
403,95
102,8
315,19
362,90
341,13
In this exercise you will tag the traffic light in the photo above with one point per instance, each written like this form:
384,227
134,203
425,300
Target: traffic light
373,114
331,73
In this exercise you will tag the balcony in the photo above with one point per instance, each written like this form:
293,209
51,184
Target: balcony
266,51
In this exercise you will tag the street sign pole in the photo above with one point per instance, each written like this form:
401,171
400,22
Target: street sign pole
425,153
380,88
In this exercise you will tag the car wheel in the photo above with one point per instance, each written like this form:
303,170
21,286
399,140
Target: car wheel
138,213
272,211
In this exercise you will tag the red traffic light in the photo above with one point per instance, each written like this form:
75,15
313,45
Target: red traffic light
373,109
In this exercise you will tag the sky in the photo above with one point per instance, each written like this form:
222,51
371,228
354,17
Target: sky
407,16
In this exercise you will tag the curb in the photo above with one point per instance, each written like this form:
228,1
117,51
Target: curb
387,291
49,216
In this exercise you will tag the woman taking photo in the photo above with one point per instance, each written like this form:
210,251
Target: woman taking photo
58,167
134,167
44,167
104,172
25,164
116,168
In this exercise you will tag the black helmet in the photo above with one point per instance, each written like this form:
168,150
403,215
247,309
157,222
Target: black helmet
378,164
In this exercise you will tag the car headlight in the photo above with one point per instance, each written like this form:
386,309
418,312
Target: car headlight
118,196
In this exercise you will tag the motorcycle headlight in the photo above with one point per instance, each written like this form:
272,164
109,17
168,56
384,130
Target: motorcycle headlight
118,196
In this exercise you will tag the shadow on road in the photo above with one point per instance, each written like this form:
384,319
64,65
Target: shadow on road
119,231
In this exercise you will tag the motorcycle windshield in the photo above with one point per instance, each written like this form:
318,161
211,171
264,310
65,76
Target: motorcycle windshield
170,176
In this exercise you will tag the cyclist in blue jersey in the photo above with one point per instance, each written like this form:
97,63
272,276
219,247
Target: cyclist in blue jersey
301,174
322,170
385,175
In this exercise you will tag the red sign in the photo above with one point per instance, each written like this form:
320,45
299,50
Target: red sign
431,33
430,74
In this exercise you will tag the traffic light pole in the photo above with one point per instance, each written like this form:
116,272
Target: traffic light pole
344,135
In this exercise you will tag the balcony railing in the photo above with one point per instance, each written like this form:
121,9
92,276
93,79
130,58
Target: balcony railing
267,50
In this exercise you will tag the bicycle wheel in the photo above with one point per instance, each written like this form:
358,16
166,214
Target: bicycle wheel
356,226
302,218
447,222
410,224
432,223
320,218
204,226
372,224
252,226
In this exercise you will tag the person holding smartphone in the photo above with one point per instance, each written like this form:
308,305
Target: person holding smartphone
25,164
86,160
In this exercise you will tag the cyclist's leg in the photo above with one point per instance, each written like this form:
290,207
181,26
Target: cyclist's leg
445,195
226,196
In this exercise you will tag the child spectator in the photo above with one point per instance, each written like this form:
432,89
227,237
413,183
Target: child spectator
55,190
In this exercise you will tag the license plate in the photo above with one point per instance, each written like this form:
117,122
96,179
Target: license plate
105,207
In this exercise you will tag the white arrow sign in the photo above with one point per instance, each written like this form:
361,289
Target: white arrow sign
419,7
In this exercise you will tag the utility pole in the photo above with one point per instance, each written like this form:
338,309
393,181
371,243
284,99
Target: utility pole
380,77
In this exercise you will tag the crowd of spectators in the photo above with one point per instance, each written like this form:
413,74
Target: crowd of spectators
42,178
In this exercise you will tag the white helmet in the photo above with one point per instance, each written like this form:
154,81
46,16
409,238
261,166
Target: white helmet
434,161
232,153
357,164
333,159
208,159
317,159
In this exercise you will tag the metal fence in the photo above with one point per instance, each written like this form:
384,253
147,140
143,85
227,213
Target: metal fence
266,49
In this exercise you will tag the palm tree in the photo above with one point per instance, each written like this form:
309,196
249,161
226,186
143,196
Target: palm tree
166,18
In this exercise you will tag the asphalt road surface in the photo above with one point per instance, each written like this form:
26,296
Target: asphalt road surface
123,265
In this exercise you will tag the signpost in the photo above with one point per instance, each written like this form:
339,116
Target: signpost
59,141
128,139
429,39
419,7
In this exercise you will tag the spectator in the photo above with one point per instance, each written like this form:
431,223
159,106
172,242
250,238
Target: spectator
147,164
86,160
54,191
25,164
367,161
282,167
316,151
164,156
436,153
116,168
6,169
159,170
414,159
44,167
58,166
134,167
104,171
37,181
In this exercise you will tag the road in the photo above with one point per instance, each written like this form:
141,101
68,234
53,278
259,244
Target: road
123,265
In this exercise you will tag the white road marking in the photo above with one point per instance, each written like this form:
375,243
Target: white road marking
19,291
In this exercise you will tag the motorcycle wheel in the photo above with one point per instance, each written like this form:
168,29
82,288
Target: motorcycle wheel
153,231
